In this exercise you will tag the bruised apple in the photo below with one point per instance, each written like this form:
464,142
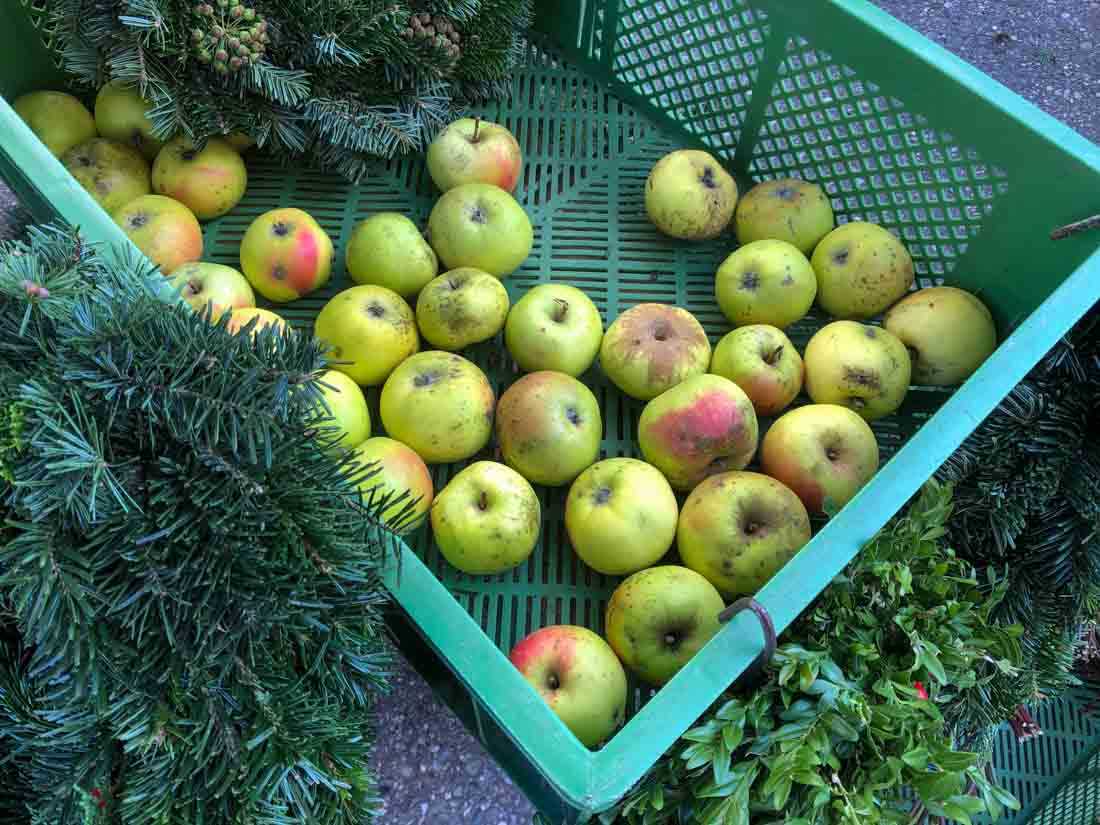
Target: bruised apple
653,347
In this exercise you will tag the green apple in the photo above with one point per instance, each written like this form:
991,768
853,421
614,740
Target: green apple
861,270
462,307
578,675
763,362
554,327
221,287
343,413
439,404
388,250
286,255
472,150
738,529
111,173
241,318
824,452
162,228
765,282
688,195
58,119
788,209
209,182
859,366
704,426
549,427
395,469
653,347
480,225
657,619
948,331
120,115
620,516
370,330
487,519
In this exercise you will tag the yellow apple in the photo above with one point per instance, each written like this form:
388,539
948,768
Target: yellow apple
480,225
162,228
765,282
221,287
120,114
396,469
58,119
788,209
240,318
370,329
462,307
344,413
286,255
857,365
209,182
688,195
388,250
861,269
651,348
472,150
763,362
111,173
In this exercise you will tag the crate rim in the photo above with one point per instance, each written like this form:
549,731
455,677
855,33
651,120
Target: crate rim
594,781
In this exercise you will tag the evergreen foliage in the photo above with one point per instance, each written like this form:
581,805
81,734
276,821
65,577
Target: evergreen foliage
341,81
189,590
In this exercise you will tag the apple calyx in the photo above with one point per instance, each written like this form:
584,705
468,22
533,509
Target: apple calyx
707,178
194,287
660,331
751,528
553,682
772,358
477,215
840,257
189,154
280,229
831,453
138,220
561,309
672,640
750,280
603,494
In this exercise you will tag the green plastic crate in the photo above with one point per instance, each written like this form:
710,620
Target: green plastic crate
897,130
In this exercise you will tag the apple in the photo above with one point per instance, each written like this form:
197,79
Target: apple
120,114
554,327
240,142
439,404
688,195
659,618
824,452
861,270
763,362
221,287
388,250
486,520
704,426
370,329
788,209
209,182
163,229
111,173
394,470
620,516
765,282
286,255
472,150
549,427
579,676
480,225
343,413
948,331
240,318
859,366
462,307
653,347
738,529
57,119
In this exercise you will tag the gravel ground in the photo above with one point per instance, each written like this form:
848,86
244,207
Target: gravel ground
432,772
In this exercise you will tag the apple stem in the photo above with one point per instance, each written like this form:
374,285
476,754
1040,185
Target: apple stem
773,357
483,501
477,127
561,309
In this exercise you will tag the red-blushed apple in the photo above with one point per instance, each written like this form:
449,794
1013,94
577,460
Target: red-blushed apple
120,115
487,519
343,417
549,427
241,318
439,404
57,119
370,330
765,282
388,250
221,287
554,327
788,209
163,229
861,269
285,254
659,618
580,678
480,225
462,307
859,366
472,150
688,195
209,182
738,529
704,426
110,172
653,347
620,516
763,362
824,452
393,469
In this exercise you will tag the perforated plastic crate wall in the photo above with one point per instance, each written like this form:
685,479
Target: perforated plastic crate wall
896,130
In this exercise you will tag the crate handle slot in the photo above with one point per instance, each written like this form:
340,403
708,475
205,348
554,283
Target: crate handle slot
754,675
